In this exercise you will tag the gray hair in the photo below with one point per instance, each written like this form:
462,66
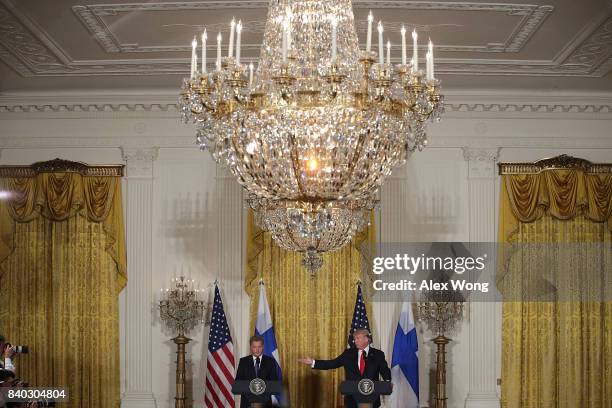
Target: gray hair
256,339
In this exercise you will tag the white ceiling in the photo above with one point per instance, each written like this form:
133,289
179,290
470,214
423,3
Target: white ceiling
92,45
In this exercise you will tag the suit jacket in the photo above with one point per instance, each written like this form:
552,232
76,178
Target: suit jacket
376,366
246,372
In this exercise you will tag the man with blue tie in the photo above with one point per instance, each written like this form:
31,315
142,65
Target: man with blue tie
361,361
257,365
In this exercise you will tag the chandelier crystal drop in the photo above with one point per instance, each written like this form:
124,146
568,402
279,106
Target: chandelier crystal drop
314,132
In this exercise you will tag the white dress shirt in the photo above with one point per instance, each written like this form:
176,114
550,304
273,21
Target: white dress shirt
367,351
8,364
255,363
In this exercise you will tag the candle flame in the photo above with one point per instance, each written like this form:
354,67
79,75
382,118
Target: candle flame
370,16
194,43
380,27
313,164
414,34
204,36
403,30
239,26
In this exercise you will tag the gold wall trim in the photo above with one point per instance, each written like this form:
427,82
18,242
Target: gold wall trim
59,165
559,162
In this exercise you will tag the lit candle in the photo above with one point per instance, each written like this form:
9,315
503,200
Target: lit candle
381,57
415,52
251,74
334,24
369,39
403,45
219,51
194,57
238,34
204,38
388,52
230,50
431,57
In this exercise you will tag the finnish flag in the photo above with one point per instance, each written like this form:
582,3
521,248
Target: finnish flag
405,362
264,328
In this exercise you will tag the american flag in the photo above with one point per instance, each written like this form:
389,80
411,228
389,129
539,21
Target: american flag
360,317
220,362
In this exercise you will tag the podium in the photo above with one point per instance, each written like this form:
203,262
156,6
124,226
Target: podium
256,391
366,391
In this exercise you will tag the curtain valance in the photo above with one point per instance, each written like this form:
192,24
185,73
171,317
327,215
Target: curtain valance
58,190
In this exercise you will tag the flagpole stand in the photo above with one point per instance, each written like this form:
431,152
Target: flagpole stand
180,399
441,341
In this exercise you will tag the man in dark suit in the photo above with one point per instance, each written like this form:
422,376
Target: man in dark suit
362,361
257,365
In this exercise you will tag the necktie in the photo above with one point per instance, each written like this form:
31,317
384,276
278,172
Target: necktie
362,362
257,367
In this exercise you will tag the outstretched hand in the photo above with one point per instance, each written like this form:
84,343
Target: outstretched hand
306,360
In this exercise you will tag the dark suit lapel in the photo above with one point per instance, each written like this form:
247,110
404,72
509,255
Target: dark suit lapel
370,364
251,367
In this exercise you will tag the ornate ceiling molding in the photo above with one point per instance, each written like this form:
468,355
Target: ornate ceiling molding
93,18
26,48
8,108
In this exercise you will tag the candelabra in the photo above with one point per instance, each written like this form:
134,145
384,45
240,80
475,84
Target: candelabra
181,310
441,312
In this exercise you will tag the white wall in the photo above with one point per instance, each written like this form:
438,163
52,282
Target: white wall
197,212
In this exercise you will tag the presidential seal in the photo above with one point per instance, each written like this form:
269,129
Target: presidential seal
365,386
257,386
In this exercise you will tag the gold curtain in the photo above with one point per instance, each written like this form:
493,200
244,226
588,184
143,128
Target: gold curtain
556,226
62,265
312,316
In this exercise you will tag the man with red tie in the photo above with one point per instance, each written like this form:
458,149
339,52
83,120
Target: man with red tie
362,361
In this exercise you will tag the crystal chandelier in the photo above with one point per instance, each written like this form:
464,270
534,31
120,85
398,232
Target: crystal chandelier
314,132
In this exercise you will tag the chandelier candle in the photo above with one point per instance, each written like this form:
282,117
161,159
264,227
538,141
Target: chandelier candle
238,35
388,52
219,52
415,53
403,45
334,24
431,61
204,38
285,38
194,58
230,49
381,55
369,38
289,17
311,138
